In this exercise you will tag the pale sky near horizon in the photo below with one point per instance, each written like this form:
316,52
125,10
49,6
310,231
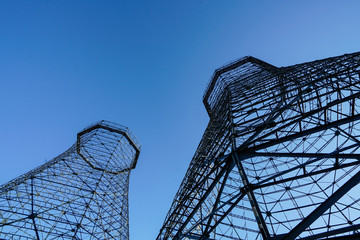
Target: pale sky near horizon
143,64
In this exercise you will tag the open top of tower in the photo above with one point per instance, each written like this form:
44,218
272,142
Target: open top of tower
243,75
245,72
108,147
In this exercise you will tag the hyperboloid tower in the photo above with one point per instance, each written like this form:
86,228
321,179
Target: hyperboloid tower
81,194
280,157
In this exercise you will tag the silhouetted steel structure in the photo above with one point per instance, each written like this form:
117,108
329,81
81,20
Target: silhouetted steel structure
280,156
81,194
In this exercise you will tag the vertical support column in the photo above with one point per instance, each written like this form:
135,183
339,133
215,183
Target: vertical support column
247,186
33,215
254,205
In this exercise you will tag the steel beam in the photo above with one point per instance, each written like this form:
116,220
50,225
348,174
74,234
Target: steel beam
206,194
314,215
253,202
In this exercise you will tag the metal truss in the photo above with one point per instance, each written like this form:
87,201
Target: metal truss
280,157
81,194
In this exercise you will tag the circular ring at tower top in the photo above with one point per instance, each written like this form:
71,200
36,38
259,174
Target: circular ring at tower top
108,147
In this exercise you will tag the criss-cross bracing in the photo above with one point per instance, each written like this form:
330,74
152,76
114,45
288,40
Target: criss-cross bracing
280,157
81,194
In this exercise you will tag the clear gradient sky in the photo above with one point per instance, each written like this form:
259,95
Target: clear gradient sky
143,64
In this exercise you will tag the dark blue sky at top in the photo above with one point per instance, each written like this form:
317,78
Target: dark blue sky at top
145,65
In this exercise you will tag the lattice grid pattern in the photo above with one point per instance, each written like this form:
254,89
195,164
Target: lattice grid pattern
280,156
81,194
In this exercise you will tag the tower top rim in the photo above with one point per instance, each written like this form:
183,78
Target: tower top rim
252,61
117,128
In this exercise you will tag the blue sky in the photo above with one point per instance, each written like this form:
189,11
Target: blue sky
145,65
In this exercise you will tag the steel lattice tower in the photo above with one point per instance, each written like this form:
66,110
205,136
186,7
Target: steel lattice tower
280,157
81,194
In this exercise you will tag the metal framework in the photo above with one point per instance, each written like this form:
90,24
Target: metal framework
280,157
81,194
